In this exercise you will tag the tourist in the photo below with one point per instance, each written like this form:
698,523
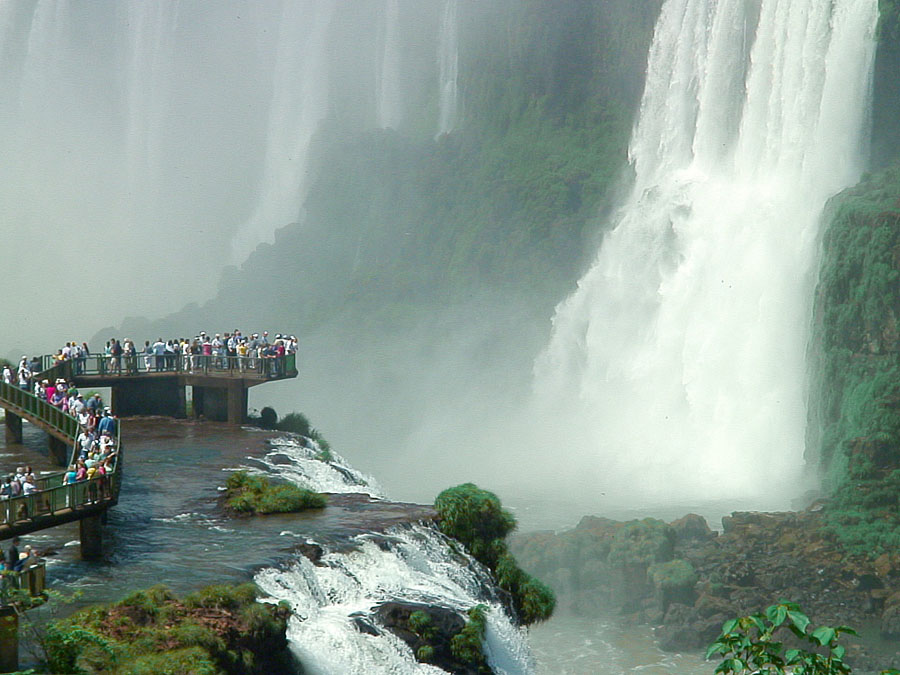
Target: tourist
159,350
7,374
12,554
107,424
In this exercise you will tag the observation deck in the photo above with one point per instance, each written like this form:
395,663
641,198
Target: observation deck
156,385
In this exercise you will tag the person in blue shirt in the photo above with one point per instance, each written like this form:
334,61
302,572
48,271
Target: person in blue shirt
107,424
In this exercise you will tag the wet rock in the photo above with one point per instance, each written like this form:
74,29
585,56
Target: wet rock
691,528
441,625
310,550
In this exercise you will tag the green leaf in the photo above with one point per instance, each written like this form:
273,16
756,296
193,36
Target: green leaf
824,635
729,626
790,655
799,619
839,652
776,614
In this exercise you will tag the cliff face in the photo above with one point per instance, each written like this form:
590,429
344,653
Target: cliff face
855,392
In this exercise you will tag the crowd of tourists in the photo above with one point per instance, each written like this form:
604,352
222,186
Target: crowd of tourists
231,351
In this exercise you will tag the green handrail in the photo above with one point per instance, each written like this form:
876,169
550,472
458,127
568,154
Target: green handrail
52,495
14,397
199,364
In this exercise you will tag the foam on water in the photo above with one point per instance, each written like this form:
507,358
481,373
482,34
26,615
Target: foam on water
414,564
676,370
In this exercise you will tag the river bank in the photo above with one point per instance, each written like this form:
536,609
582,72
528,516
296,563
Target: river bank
685,580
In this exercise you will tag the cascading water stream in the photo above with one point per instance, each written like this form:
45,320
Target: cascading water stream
676,370
389,104
413,564
448,67
299,104
150,69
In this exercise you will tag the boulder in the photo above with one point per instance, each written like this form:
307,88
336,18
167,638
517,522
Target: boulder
691,528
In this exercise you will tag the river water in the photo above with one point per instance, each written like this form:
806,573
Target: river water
167,529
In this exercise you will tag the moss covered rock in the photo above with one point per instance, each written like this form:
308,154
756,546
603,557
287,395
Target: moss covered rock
249,494
219,629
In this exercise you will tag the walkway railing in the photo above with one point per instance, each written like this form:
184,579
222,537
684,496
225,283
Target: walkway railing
51,495
18,399
263,367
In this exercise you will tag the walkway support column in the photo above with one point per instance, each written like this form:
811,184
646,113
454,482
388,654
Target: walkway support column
237,403
13,428
91,537
9,640
59,450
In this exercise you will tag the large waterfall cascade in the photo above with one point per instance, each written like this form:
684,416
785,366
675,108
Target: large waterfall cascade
448,60
184,129
299,103
676,369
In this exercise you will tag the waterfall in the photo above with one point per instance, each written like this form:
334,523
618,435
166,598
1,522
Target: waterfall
411,564
676,369
151,33
448,68
299,103
389,111
331,599
302,462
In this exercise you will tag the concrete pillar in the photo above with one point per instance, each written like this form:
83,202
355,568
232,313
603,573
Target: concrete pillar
197,401
237,403
91,535
59,450
9,640
13,428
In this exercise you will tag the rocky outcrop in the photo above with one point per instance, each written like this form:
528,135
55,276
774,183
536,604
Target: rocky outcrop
704,579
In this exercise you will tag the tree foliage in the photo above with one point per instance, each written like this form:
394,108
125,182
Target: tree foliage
755,644
476,518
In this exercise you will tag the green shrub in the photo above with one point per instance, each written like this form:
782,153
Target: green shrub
466,646
247,493
425,654
294,422
268,418
421,624
222,597
476,518
673,574
190,634
752,644
642,542
187,661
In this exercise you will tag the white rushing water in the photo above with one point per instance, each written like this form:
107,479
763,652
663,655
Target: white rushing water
677,367
299,104
414,564
448,68
301,461
389,104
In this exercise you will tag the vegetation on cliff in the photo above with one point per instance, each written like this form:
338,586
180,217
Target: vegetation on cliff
856,363
476,518
219,629
251,494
